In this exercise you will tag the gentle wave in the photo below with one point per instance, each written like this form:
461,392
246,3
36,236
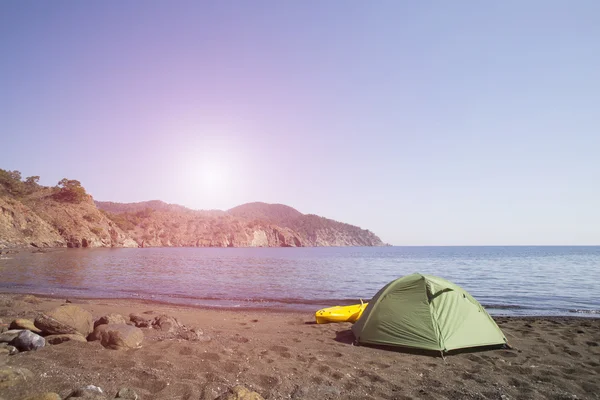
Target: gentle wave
593,312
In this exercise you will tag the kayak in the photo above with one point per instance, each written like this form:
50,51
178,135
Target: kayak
340,313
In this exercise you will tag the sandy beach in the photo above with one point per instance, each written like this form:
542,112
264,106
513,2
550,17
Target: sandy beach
283,355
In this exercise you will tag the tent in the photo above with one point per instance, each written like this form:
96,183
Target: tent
426,312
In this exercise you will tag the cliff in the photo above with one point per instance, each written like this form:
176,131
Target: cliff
66,216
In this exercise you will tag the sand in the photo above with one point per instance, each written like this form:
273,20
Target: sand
284,355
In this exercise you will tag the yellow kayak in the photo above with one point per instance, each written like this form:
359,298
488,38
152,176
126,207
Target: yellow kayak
340,313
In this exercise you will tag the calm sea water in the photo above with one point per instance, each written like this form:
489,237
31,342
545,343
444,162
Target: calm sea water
506,280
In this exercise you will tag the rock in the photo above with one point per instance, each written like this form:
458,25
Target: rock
27,341
31,299
24,324
44,396
87,392
127,393
139,321
10,376
195,334
110,319
10,335
67,319
5,348
240,393
118,336
3,328
58,339
166,324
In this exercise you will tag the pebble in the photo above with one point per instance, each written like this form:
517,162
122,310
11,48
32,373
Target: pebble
127,393
87,392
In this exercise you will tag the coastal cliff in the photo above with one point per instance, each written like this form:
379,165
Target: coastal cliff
66,216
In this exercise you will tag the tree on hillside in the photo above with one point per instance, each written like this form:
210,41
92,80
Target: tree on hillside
70,190
11,180
31,183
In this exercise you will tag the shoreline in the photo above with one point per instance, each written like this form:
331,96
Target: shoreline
285,354
306,307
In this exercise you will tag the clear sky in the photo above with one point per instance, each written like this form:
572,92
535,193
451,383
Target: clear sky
427,122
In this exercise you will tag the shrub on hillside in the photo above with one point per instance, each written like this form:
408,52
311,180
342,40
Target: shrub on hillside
70,190
11,181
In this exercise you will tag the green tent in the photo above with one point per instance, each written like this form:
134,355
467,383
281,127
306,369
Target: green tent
426,312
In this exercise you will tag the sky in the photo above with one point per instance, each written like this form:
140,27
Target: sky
428,123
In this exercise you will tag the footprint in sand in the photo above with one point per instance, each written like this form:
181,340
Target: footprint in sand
268,381
592,344
210,356
240,339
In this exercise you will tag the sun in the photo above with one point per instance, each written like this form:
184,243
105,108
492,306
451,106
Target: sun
212,177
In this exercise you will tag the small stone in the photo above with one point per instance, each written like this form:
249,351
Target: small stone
10,376
87,392
166,324
240,393
139,321
24,324
127,393
44,396
110,319
27,341
10,335
191,335
31,299
58,339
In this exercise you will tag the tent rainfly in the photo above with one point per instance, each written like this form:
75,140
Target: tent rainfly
426,312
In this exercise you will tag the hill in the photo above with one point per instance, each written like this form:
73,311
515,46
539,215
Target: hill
65,215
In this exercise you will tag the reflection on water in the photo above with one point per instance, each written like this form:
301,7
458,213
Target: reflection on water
508,280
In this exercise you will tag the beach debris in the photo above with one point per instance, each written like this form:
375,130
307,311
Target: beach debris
10,335
10,376
127,393
65,337
66,318
118,336
166,323
240,392
139,321
24,324
43,396
110,319
87,392
27,341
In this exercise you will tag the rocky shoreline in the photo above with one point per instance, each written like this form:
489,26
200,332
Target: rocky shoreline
36,216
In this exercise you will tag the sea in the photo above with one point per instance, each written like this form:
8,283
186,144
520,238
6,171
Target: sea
506,280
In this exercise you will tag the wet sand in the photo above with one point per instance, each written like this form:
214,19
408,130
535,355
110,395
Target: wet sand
284,355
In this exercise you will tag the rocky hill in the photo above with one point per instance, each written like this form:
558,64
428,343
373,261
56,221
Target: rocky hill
66,216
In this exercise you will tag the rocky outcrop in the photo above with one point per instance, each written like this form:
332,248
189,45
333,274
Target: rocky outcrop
38,216
20,226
